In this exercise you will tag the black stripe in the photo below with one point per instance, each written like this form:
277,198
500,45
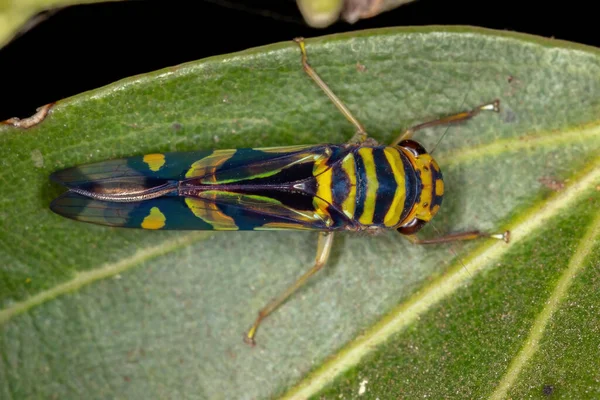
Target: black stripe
387,185
361,185
413,186
340,184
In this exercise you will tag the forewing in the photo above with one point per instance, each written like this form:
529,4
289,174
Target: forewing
213,210
218,166
206,210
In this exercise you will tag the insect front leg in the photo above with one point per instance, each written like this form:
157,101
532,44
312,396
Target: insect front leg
451,119
361,134
323,250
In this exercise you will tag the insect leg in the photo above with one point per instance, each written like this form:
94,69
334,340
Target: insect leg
323,251
459,117
454,237
361,134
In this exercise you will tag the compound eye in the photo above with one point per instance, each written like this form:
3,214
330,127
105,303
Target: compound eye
413,147
412,227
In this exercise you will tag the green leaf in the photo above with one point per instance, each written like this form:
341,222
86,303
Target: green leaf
93,312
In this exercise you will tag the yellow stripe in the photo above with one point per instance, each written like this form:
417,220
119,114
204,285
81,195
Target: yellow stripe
324,186
392,217
285,149
349,204
208,211
372,185
206,167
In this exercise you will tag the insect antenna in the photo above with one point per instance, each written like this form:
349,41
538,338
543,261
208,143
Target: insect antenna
452,250
439,141
448,126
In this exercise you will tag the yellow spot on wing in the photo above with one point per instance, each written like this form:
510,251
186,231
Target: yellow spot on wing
392,217
154,161
372,185
349,203
154,220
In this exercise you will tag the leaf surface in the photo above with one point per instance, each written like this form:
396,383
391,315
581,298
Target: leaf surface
94,312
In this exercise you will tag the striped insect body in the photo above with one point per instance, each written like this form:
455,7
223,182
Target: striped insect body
322,187
360,185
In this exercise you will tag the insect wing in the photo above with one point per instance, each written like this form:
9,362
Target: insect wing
206,210
208,166
212,210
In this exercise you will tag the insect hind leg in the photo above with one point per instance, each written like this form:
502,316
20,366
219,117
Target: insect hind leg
323,250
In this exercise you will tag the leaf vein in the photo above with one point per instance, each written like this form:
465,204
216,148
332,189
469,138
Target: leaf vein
85,278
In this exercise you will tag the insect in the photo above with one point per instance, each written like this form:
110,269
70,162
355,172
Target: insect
356,186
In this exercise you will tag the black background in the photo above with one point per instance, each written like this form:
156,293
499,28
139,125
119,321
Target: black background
84,47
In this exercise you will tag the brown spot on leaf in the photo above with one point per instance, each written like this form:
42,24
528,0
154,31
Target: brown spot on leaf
552,183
